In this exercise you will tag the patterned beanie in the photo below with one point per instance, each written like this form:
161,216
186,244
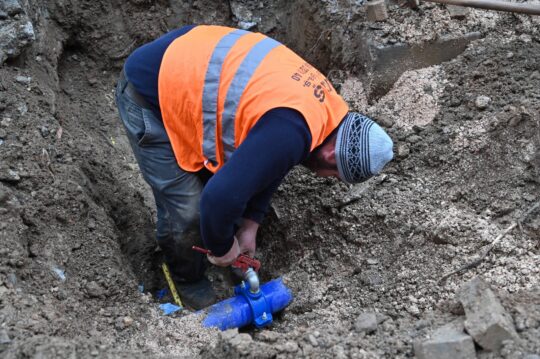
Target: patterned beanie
363,148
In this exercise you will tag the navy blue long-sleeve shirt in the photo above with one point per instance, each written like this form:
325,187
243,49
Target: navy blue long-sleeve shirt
242,188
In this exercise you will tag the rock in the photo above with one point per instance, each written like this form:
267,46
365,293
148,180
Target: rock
482,102
14,37
12,279
247,25
241,343
312,340
414,138
385,121
244,15
290,347
4,337
10,176
268,336
94,290
413,309
372,261
448,342
376,10
228,334
366,322
11,7
525,38
486,319
371,278
44,131
402,150
127,321
458,12
25,80
4,195
6,121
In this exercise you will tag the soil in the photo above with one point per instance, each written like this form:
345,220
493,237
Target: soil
77,220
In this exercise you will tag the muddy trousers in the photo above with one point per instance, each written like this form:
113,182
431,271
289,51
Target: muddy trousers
176,192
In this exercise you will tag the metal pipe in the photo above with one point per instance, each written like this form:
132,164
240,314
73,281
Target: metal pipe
252,278
524,8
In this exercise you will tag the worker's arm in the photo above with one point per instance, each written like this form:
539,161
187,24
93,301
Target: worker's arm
279,141
257,206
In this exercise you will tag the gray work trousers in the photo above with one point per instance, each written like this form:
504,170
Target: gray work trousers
176,192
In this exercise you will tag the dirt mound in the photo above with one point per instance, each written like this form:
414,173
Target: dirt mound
363,261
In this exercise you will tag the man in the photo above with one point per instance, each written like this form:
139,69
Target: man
216,118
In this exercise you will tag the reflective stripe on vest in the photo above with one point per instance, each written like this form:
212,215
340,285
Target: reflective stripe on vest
210,92
240,80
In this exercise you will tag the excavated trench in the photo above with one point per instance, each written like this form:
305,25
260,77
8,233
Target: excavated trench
379,66
79,204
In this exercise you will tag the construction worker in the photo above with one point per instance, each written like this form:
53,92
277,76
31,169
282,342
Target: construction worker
216,117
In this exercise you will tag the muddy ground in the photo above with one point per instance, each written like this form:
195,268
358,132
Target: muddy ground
76,219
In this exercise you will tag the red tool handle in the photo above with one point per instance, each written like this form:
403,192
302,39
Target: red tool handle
243,261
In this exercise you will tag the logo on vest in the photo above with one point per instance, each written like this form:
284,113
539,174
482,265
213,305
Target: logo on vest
310,77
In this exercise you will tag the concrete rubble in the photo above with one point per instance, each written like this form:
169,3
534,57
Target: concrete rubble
447,342
486,319
366,322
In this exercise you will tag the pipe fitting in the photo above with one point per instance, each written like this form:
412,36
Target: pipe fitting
252,278
247,308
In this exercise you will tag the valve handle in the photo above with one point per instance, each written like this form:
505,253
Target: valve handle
243,261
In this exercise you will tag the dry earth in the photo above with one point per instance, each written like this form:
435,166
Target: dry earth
76,219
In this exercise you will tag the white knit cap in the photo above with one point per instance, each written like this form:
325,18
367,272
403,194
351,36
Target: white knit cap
363,148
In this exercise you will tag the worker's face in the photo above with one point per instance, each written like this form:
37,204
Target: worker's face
322,161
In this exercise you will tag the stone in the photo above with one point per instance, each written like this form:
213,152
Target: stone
247,25
482,102
486,319
4,337
10,176
447,342
12,7
414,139
402,150
458,12
44,131
94,290
14,37
372,261
413,309
268,336
241,343
12,279
127,321
312,340
376,10
366,322
290,347
385,121
25,80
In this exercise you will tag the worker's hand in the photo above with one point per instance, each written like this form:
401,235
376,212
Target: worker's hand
247,235
228,258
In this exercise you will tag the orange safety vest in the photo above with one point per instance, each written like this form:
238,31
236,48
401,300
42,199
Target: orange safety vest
216,82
